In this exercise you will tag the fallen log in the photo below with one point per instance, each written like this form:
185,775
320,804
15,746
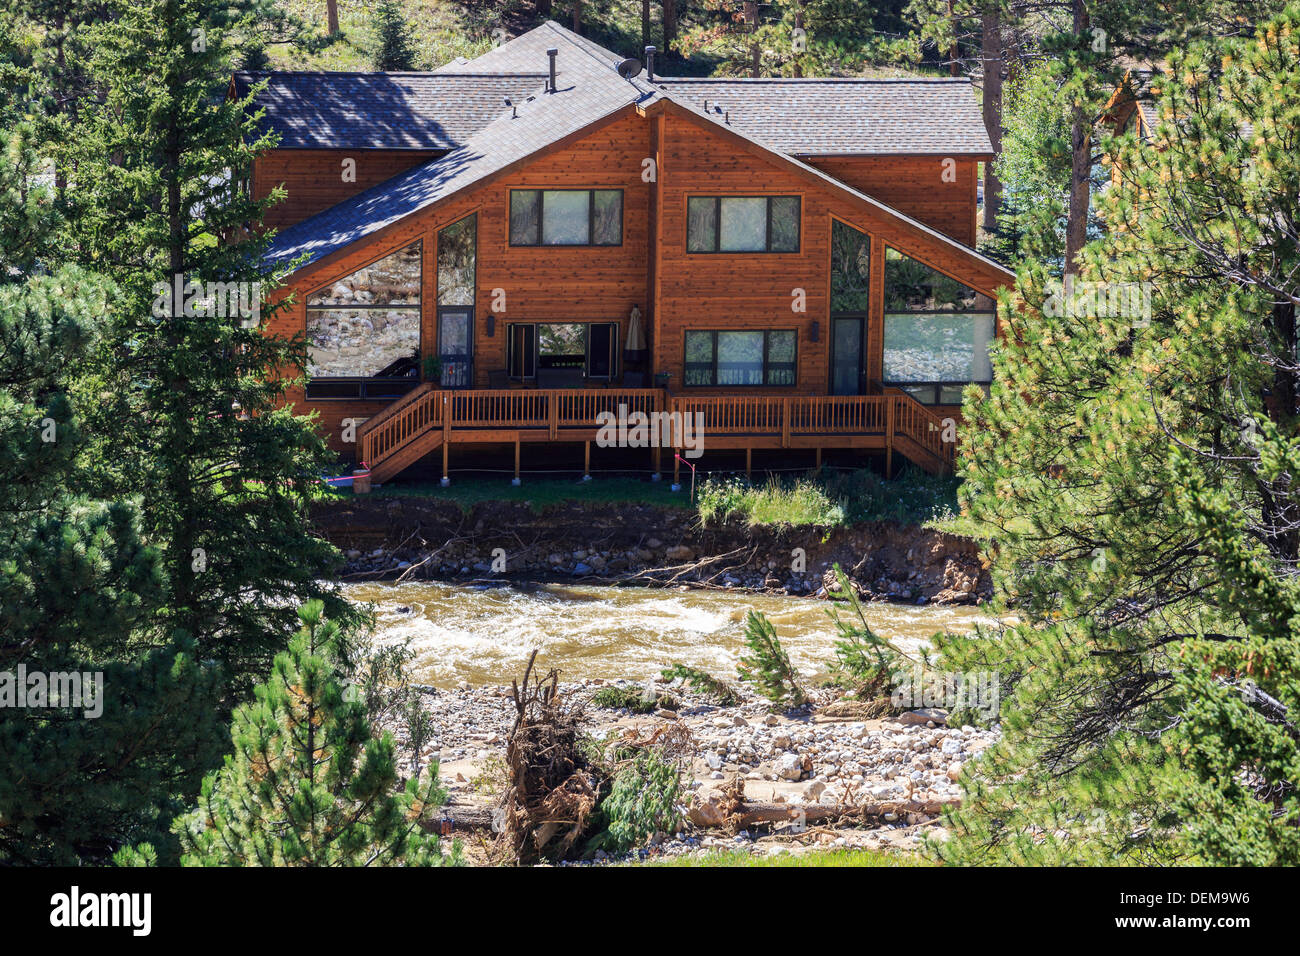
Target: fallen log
756,814
724,810
462,818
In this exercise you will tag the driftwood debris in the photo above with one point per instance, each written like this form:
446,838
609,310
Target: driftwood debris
552,787
730,809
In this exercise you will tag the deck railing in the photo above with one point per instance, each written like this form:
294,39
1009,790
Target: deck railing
773,417
403,421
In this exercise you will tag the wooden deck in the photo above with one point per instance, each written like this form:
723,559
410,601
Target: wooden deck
431,418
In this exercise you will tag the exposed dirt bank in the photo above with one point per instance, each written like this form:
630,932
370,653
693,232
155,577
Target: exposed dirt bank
645,544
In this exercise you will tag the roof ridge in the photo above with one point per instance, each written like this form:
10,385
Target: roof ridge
954,80
477,76
581,42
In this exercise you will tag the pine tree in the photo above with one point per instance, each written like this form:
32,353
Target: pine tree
794,37
392,49
1136,470
77,582
187,393
308,784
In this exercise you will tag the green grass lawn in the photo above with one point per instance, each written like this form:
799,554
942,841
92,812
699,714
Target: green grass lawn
539,494
831,499
810,858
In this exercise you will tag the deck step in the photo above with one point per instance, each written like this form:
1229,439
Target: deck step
406,456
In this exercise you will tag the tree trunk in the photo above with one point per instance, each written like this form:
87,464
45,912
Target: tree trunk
798,25
332,16
645,23
1076,226
577,16
954,59
670,24
756,54
992,57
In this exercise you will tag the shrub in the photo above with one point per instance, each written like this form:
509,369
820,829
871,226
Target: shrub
767,666
704,683
632,698
644,798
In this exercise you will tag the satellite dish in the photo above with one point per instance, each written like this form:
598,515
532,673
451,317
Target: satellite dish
629,68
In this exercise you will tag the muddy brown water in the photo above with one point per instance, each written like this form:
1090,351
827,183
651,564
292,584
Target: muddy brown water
484,635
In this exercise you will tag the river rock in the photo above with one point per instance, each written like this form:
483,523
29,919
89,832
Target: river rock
789,766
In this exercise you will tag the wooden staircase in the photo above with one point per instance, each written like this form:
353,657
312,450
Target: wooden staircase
403,433
430,418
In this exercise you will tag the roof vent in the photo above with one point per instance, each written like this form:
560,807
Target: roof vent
650,63
514,110
552,54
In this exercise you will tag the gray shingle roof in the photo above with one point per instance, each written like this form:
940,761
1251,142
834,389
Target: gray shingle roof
542,120
821,117
589,90
528,52
383,110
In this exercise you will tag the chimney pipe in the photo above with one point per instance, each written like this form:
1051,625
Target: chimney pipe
552,54
650,63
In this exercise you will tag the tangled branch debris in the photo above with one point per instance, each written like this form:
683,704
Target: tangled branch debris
569,795
552,787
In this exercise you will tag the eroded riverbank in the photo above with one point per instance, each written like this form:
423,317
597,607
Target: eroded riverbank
387,538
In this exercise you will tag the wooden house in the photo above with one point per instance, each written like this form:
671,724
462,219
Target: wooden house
503,250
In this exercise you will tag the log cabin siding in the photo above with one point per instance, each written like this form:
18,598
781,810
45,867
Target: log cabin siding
540,283
755,291
313,178
915,186
675,290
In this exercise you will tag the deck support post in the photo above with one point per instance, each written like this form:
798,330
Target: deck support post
658,461
749,461
677,472
819,460
889,437
515,481
586,461
446,478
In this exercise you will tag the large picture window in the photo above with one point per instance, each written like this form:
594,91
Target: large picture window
745,357
363,330
742,223
566,217
562,354
937,332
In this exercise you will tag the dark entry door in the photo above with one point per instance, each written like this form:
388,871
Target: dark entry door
848,370
456,345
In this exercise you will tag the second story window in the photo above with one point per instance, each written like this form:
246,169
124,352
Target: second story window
742,223
566,217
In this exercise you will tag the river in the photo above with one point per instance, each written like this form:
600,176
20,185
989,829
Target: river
483,635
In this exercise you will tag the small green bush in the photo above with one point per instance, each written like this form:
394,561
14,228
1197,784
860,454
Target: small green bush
705,684
767,666
632,698
645,798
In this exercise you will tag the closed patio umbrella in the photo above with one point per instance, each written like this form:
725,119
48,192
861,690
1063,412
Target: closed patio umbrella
635,350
